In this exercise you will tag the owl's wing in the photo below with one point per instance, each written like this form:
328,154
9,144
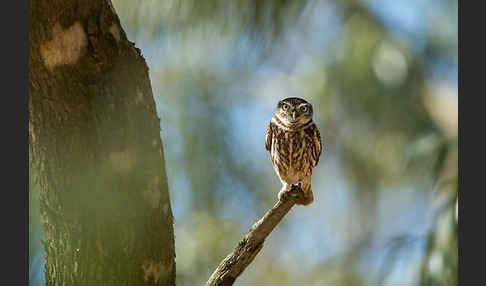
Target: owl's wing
268,137
316,136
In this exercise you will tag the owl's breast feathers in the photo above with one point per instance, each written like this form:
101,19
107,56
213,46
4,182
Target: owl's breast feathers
293,150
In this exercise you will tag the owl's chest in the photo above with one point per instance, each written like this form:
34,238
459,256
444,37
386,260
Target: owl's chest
291,152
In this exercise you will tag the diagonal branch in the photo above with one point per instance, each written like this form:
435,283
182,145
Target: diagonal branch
235,263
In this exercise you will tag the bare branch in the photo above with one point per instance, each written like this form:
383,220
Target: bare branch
235,263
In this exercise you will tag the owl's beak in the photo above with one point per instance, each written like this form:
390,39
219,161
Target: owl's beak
293,115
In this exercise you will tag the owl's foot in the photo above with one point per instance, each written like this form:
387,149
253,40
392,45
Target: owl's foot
307,200
293,192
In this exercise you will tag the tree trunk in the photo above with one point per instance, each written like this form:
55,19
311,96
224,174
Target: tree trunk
94,139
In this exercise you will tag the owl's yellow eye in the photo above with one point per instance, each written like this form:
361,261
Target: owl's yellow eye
285,107
303,108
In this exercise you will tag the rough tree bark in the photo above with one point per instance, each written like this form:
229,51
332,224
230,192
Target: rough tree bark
95,145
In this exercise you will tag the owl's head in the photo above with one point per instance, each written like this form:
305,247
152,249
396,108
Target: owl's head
294,111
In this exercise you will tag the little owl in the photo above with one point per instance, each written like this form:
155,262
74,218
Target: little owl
294,143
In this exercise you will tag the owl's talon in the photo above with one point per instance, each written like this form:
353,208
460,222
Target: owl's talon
294,193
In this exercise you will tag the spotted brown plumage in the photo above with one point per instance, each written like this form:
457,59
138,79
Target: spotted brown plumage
294,144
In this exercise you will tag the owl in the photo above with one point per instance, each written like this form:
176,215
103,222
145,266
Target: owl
294,144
